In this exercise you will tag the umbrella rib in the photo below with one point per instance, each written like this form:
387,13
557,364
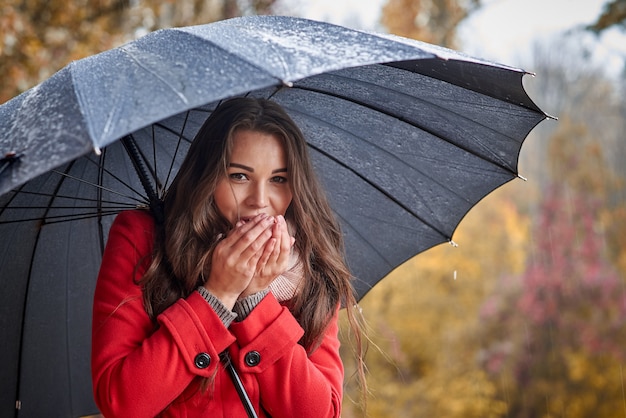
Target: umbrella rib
99,186
180,95
103,170
154,169
121,206
60,196
80,216
65,218
172,131
499,161
139,163
380,190
30,273
443,186
245,59
355,230
180,138
6,205
179,132
115,177
99,203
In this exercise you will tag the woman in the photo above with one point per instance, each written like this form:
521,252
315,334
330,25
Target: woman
247,261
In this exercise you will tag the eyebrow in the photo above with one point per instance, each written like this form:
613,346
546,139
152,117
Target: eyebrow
250,169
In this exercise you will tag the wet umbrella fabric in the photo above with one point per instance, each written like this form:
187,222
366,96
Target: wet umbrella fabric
406,137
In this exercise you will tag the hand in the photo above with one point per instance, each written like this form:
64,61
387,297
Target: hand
275,258
236,258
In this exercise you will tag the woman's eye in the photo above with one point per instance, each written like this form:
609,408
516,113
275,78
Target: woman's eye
279,179
237,176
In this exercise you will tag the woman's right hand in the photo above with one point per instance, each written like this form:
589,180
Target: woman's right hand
235,258
275,259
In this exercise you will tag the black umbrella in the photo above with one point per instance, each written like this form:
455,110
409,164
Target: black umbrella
405,136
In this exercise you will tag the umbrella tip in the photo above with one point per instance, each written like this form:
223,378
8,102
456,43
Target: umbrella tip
287,83
454,244
97,150
9,159
519,176
11,156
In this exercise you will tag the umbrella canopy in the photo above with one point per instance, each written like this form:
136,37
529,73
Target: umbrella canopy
405,136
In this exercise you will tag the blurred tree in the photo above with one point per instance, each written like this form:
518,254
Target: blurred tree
578,160
553,337
433,21
586,150
39,37
614,14
423,320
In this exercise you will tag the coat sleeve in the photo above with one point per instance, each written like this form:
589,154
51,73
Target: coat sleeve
139,369
291,382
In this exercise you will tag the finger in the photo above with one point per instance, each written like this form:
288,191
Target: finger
287,239
242,227
267,254
274,263
284,241
277,247
248,235
275,259
277,236
253,246
238,251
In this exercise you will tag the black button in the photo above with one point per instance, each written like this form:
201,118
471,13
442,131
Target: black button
253,358
202,360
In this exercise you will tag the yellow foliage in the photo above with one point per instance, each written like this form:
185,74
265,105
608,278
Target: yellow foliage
39,37
423,318
433,21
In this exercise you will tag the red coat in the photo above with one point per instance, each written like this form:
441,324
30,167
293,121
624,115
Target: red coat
138,371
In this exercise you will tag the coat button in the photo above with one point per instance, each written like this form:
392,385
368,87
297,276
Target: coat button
252,358
202,360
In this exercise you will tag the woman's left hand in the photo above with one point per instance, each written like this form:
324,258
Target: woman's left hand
275,258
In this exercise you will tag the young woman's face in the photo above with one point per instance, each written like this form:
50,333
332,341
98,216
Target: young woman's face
256,179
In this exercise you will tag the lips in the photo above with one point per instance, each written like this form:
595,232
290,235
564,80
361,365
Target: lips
245,219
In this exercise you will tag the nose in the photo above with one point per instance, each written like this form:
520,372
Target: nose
258,196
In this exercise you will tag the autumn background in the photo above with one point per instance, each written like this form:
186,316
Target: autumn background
527,317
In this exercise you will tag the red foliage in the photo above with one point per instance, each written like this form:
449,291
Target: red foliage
570,298
569,284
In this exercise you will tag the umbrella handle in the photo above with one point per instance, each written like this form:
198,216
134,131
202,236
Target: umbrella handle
241,390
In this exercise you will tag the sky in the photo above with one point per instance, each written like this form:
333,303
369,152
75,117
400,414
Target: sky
503,31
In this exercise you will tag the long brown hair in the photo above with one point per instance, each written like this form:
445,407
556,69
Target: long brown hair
184,242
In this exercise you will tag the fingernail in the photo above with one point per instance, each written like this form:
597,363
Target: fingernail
280,219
